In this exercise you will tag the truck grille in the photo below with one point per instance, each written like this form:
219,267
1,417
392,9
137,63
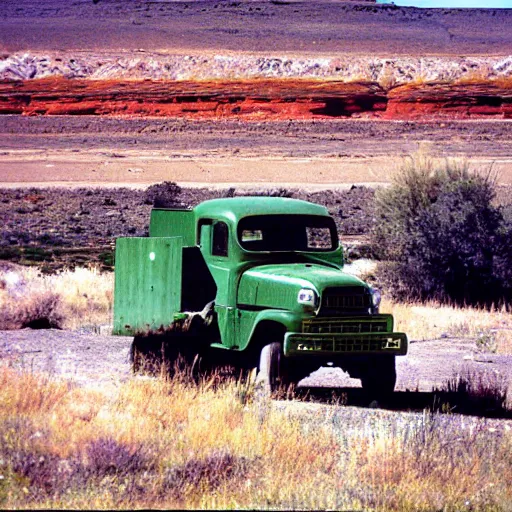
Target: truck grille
341,326
359,344
345,300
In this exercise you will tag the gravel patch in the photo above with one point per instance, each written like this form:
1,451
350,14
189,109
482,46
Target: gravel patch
99,361
86,359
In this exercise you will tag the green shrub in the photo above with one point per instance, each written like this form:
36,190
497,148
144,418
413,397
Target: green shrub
441,235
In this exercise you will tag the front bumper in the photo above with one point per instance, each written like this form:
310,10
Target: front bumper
306,344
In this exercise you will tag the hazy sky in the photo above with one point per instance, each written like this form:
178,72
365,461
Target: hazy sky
492,4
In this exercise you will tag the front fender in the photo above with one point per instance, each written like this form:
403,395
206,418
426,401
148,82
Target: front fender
291,322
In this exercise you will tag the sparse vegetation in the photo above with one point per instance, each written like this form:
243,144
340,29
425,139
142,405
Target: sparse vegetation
470,391
74,228
431,320
66,300
441,235
82,298
163,443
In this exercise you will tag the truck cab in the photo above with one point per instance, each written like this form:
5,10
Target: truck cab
271,272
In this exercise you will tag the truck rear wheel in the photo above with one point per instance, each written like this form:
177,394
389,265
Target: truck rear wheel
378,378
298,370
146,354
272,368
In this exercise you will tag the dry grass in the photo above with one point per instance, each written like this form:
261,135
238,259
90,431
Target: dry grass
86,294
68,300
166,443
503,340
432,320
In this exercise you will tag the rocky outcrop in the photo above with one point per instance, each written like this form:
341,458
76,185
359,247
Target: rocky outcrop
141,65
257,99
465,100
251,86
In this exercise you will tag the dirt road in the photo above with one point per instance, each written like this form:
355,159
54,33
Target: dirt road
102,362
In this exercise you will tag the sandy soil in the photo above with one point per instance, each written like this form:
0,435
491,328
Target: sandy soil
82,170
94,150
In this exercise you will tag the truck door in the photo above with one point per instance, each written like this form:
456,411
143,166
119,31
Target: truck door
214,242
147,284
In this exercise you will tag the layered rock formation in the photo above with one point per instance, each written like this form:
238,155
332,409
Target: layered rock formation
258,87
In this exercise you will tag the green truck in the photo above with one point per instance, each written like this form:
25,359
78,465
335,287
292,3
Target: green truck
256,282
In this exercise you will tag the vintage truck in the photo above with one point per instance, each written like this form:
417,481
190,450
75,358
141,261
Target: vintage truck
257,281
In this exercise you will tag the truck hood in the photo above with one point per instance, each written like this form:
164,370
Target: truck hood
277,286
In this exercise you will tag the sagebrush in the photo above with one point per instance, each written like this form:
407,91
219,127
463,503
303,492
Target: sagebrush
441,236
69,299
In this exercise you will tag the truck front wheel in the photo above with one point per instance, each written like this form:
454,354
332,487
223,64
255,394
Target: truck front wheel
272,368
378,377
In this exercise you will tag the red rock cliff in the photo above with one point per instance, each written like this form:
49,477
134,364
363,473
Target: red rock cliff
257,99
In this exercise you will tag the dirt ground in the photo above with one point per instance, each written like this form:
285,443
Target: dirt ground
89,150
102,362
300,26
58,227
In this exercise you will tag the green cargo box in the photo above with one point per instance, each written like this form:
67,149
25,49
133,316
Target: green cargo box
148,284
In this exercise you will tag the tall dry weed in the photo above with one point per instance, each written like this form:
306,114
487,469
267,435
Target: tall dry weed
28,393
165,443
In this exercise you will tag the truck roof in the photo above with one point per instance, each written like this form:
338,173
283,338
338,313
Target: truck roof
238,207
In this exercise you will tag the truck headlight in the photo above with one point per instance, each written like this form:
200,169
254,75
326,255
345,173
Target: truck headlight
376,297
307,297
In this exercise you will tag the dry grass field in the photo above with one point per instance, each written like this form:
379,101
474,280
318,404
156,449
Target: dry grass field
163,443
433,320
171,443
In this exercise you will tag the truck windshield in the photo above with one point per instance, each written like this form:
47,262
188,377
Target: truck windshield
310,233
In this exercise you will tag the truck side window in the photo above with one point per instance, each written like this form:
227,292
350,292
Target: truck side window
220,239
202,224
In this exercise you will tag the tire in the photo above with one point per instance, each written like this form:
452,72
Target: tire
272,368
378,378
146,354
168,353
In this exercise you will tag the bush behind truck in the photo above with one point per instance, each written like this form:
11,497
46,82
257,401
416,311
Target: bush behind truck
252,281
